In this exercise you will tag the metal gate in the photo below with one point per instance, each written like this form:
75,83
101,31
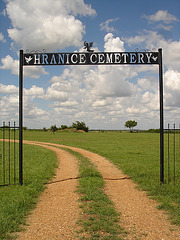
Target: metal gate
172,152
9,155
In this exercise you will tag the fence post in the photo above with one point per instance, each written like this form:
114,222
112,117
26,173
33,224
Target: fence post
174,153
9,153
14,152
4,170
168,157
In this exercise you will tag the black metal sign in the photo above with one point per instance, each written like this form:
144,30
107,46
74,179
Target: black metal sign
91,58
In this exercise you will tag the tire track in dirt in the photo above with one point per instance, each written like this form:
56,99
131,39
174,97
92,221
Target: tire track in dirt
139,215
57,211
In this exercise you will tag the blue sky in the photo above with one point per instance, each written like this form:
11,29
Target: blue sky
104,97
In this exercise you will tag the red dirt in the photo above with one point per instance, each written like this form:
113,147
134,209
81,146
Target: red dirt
57,211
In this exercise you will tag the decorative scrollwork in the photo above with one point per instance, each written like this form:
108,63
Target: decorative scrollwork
154,50
35,51
145,50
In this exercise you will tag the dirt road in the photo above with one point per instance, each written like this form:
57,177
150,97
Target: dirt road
57,211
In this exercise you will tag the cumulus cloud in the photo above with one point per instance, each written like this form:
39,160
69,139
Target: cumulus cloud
111,93
90,93
8,63
161,15
2,39
47,24
106,82
148,83
171,54
153,40
164,27
150,39
34,72
106,25
113,44
172,88
35,112
56,93
102,102
34,91
162,20
8,89
9,106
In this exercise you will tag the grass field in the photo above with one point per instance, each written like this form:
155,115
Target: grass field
136,154
16,201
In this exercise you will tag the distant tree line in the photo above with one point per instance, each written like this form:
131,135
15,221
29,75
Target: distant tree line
82,126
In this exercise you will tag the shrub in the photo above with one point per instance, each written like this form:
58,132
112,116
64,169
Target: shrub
80,126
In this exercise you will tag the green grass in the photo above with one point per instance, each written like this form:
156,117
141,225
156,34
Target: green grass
100,220
136,154
17,201
9,166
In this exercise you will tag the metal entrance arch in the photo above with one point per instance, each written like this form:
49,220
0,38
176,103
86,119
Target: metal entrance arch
90,58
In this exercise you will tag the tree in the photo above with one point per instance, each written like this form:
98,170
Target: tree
64,127
53,128
80,126
130,124
44,129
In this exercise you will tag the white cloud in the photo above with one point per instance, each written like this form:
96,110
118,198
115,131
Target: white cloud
9,107
2,39
171,54
109,82
35,112
47,24
102,96
34,91
161,15
8,63
106,25
153,40
113,44
148,83
172,88
69,104
172,79
3,13
56,93
105,92
102,102
135,40
164,27
34,71
90,93
8,89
